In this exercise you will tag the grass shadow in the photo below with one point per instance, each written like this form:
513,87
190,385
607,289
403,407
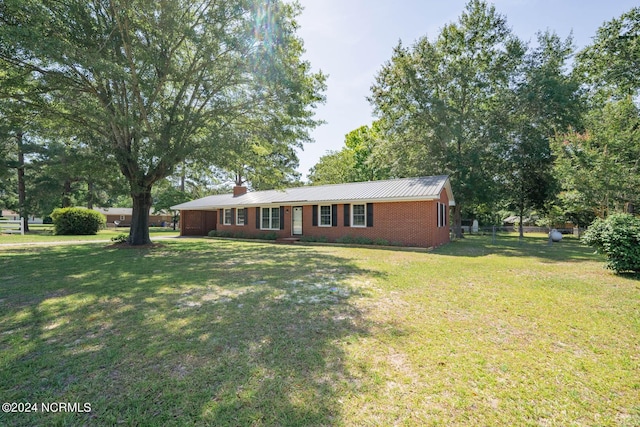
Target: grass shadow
195,332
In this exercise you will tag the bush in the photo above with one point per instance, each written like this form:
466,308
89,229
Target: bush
241,235
220,233
77,221
381,242
355,240
120,238
319,239
618,237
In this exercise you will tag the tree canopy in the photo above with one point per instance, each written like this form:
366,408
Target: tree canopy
515,126
439,102
156,83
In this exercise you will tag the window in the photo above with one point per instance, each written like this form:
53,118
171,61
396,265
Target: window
227,216
358,216
442,215
271,218
240,216
325,216
121,217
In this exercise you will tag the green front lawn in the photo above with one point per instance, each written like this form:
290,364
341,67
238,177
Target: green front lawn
217,332
44,233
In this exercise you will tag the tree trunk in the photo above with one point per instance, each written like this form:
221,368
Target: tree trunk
139,231
22,193
457,220
66,194
183,178
89,194
520,227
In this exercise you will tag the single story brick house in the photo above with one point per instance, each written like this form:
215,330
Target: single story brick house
124,216
409,211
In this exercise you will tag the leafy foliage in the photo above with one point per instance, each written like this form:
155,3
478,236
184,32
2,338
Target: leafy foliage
335,167
77,221
242,235
158,83
610,65
357,161
439,102
362,240
618,237
314,239
544,101
600,167
120,238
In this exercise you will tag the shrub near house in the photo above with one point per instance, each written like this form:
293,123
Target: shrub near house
618,237
77,221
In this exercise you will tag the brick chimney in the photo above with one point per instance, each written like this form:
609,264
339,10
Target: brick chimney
239,190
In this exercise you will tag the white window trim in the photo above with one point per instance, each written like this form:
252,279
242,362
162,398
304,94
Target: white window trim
353,214
320,224
262,208
244,220
224,216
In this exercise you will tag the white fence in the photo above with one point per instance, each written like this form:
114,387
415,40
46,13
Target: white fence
12,226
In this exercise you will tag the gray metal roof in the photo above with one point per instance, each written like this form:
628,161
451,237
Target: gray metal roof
393,190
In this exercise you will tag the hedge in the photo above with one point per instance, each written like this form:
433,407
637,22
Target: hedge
618,237
77,221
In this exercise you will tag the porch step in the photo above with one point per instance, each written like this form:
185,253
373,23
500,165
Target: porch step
287,240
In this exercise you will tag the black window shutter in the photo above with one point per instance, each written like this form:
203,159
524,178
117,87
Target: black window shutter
347,215
281,217
369,214
246,216
334,215
315,215
257,218
221,211
233,216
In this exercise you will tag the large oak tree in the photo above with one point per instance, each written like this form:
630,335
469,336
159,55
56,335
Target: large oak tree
440,102
160,82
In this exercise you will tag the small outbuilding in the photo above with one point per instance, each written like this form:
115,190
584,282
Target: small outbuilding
407,211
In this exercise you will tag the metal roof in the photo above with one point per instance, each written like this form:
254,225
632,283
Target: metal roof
393,190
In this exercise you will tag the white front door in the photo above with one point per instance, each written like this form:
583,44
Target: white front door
296,227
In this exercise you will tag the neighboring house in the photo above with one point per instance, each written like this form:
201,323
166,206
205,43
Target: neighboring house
14,216
123,216
410,211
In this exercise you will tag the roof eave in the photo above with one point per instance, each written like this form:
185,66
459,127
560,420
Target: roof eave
307,202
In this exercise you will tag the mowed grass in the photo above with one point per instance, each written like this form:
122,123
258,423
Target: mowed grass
217,332
39,233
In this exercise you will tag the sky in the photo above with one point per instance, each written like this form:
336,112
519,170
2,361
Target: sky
350,40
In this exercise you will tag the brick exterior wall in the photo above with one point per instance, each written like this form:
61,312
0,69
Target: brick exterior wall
408,223
197,223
